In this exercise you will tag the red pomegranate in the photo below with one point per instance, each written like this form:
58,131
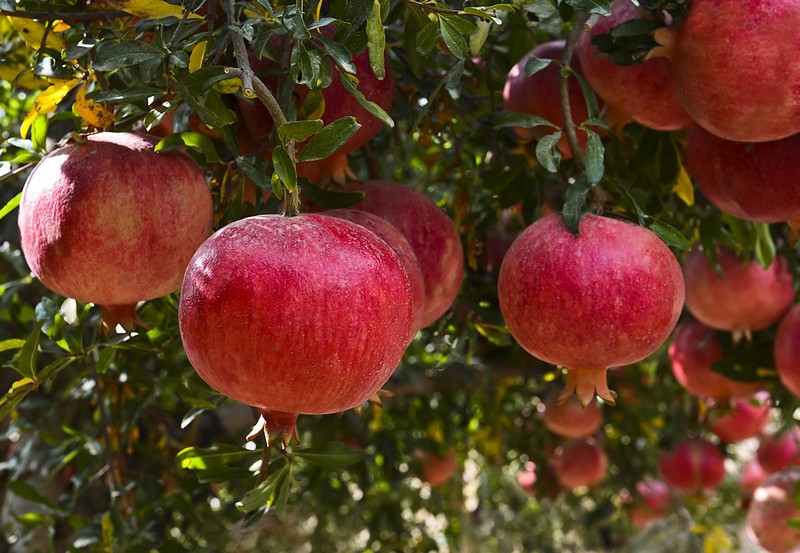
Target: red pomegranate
570,419
693,352
432,236
539,94
652,503
771,512
731,78
581,462
308,314
693,466
753,474
437,470
743,419
563,296
756,182
778,451
643,92
745,299
112,222
787,350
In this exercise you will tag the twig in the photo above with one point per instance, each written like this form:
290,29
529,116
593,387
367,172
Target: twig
16,172
66,16
186,12
566,109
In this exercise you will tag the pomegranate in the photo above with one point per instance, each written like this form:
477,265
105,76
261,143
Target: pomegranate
527,478
773,508
787,350
432,236
753,474
693,353
295,315
744,419
437,470
731,78
563,296
652,503
570,419
110,221
757,182
746,298
581,462
539,95
643,92
694,465
778,451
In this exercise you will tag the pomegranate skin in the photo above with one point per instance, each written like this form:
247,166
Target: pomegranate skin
731,77
772,508
644,92
295,315
787,350
112,222
431,234
693,352
581,462
747,298
693,466
570,419
562,296
743,420
753,474
778,451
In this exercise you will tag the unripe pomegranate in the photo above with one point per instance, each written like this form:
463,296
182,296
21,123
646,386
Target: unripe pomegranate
112,222
756,182
731,76
745,299
432,236
787,350
693,352
581,462
778,451
753,474
743,419
437,470
643,92
539,95
563,296
308,314
772,510
693,466
570,419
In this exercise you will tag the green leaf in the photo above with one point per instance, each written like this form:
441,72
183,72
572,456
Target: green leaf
39,134
592,105
332,454
426,38
670,235
329,139
478,38
599,7
575,204
339,54
522,120
257,170
114,55
460,24
452,81
204,78
483,13
533,65
216,456
133,94
15,394
298,130
453,38
594,157
209,106
11,343
12,204
26,360
26,491
285,167
194,140
371,107
264,494
329,198
376,41
548,153
634,27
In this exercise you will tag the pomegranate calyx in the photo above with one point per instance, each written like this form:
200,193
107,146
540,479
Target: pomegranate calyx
665,38
123,315
275,425
585,383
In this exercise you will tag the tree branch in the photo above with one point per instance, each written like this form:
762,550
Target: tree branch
67,16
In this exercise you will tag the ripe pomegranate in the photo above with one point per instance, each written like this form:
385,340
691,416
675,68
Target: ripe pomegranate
293,315
643,92
773,507
753,474
394,238
778,451
581,462
751,96
652,503
787,350
432,236
743,419
570,419
437,470
110,221
563,295
757,182
746,298
693,353
539,95
694,465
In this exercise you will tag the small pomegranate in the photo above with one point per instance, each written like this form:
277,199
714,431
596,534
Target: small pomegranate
581,462
308,314
772,510
693,352
778,451
693,466
527,478
753,474
563,296
652,503
787,350
112,222
570,419
756,182
437,470
643,92
745,299
744,419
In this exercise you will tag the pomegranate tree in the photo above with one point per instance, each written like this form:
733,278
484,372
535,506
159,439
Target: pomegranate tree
581,462
744,299
645,92
570,419
110,221
778,451
308,314
563,295
772,511
743,419
693,466
787,350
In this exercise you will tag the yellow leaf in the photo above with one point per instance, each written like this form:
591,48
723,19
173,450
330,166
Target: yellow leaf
228,86
151,9
47,101
60,27
683,187
717,541
32,32
197,57
20,76
93,115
